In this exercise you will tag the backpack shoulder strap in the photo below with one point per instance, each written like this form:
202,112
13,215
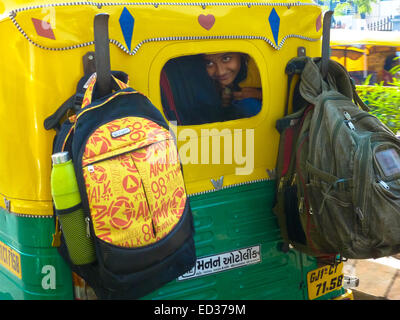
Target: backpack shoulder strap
294,66
53,121
75,102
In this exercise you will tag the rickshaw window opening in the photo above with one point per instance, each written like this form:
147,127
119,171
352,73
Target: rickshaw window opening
210,87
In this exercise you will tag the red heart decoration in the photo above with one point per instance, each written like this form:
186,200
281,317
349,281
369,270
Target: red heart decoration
318,23
206,21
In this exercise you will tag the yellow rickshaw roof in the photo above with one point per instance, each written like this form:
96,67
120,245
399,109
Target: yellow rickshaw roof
7,6
269,21
352,37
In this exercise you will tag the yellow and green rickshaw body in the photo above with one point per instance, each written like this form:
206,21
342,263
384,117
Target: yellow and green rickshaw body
42,49
364,52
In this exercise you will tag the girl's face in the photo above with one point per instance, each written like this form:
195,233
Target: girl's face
223,67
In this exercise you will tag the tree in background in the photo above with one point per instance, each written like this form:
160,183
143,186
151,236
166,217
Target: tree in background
364,6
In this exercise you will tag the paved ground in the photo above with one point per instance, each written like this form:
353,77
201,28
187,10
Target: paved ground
378,279
358,295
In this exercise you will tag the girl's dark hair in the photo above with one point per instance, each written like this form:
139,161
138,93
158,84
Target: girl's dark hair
244,59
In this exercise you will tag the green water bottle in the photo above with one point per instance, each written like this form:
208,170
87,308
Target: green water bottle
67,200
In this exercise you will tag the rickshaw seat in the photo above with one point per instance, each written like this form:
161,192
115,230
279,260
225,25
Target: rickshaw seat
188,94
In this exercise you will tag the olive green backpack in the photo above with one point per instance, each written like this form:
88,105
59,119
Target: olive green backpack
338,170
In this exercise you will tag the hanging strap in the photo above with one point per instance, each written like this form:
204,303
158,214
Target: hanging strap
88,105
88,96
358,100
355,95
294,66
53,121
102,53
75,102
325,44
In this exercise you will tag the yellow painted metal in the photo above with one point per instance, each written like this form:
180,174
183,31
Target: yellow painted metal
348,295
352,58
39,73
357,37
363,50
323,280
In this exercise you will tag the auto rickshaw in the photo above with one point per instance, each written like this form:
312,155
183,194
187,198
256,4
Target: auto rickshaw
48,45
365,53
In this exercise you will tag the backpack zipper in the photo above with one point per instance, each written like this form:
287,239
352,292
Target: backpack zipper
357,117
363,197
87,220
90,164
384,184
338,125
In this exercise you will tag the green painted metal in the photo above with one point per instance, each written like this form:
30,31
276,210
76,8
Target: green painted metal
45,275
235,218
225,221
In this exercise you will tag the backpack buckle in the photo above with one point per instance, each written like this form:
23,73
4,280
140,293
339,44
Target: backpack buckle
341,184
78,99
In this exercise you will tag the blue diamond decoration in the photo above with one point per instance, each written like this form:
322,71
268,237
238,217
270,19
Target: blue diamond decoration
274,22
126,21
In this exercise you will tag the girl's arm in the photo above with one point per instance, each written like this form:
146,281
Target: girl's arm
248,92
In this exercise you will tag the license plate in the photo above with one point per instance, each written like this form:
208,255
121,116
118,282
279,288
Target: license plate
324,280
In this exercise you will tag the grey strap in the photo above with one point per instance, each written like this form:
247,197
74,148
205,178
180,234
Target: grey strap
326,31
102,52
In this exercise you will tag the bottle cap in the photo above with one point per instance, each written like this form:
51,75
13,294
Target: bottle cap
60,157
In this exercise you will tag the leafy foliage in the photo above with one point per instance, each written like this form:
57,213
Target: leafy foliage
384,101
364,6
341,8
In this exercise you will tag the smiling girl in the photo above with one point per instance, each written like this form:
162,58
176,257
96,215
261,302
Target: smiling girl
237,79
